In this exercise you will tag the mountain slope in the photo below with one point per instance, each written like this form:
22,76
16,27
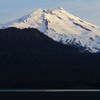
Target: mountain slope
28,59
63,27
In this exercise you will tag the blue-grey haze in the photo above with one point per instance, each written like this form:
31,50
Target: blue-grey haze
88,10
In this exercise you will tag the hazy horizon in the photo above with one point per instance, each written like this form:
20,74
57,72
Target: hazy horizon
85,9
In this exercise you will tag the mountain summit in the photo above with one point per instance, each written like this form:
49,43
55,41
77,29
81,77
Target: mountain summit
62,27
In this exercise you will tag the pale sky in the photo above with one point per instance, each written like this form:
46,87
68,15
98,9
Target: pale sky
88,10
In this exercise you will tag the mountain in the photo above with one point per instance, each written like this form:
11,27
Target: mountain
45,50
30,59
62,27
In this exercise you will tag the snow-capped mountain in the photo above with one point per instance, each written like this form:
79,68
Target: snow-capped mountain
62,27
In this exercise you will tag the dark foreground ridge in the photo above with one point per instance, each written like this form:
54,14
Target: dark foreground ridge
29,59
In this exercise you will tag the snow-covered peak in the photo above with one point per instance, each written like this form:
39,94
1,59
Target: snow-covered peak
60,14
61,26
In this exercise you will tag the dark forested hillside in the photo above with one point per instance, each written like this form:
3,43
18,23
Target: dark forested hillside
29,59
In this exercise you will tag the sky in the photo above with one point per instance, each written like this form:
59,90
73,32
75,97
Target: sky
88,10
